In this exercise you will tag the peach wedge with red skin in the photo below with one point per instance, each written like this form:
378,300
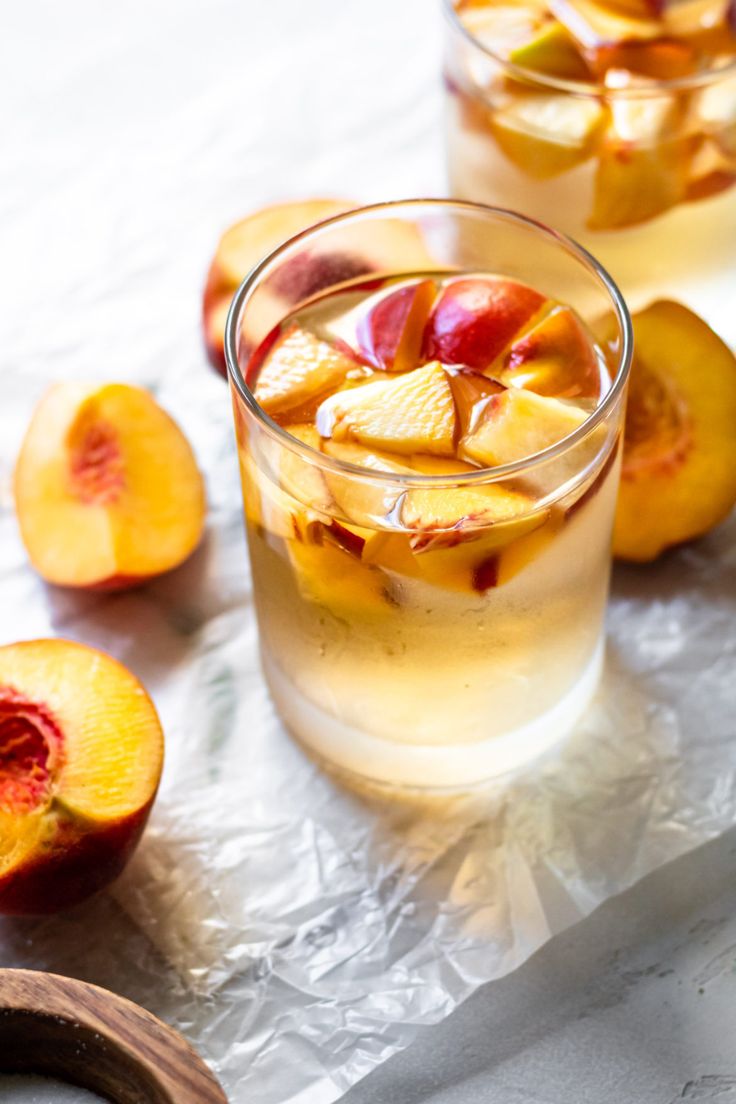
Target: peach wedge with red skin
107,489
554,357
81,754
390,336
246,243
678,477
475,318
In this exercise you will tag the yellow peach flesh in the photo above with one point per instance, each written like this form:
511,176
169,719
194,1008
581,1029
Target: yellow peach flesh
107,487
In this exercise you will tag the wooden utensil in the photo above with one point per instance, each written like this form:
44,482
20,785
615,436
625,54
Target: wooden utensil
87,1036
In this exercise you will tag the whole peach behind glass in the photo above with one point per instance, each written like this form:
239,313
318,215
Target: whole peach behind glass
382,668
642,172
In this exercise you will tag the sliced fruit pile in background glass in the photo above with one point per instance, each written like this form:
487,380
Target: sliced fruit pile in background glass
612,120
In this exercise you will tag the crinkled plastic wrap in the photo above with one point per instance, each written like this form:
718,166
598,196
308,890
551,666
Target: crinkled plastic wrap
300,933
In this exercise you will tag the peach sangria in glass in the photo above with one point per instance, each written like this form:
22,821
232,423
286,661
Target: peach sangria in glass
429,453
614,120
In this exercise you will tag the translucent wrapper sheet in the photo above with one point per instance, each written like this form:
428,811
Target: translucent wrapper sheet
300,933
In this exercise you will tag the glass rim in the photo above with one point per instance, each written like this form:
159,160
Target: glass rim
587,88
417,479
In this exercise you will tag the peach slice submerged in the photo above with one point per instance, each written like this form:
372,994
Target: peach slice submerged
554,357
299,369
81,754
107,488
679,464
546,134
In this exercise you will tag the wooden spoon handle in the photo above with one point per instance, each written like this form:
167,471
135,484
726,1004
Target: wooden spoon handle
90,1037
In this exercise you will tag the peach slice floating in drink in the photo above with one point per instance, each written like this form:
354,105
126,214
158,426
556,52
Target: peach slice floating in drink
390,335
413,413
474,319
299,370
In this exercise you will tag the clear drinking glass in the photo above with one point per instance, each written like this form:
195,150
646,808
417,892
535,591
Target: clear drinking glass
377,663
643,175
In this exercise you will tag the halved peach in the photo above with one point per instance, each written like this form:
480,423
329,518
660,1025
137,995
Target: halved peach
517,424
107,489
81,753
247,242
554,357
413,412
390,335
679,464
475,318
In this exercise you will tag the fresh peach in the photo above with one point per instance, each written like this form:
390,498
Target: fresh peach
553,357
413,412
247,242
679,463
107,489
475,318
470,390
390,335
81,753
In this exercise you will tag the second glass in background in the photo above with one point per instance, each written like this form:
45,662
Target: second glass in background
640,171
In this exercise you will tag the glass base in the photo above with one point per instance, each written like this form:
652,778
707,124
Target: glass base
451,767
